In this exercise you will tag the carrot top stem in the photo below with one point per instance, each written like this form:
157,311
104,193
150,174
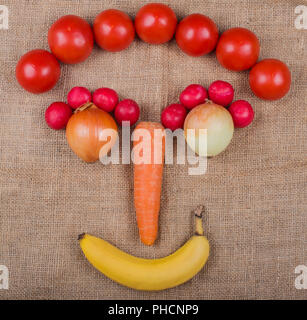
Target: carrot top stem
198,220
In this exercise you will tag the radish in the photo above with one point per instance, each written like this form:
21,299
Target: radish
127,110
221,92
105,99
242,113
173,116
193,95
57,115
78,96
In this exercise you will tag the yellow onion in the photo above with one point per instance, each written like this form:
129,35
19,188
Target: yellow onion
87,133
219,124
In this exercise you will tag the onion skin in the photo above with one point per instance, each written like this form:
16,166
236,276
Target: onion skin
219,124
85,131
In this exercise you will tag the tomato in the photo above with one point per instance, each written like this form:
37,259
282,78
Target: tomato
197,35
38,71
155,23
113,30
270,79
238,49
71,39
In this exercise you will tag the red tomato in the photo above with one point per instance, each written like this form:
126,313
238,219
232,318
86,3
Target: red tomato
270,79
238,49
113,30
197,35
155,23
71,39
38,71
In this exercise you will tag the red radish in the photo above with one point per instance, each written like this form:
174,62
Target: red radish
221,92
127,110
57,115
242,113
193,95
173,116
78,96
105,99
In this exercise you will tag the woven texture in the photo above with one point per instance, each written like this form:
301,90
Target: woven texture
254,192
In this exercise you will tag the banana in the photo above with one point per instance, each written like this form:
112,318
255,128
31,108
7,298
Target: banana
149,274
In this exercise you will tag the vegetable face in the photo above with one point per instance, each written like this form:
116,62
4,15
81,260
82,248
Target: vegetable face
270,79
38,71
155,23
113,30
238,49
71,39
87,133
218,122
197,35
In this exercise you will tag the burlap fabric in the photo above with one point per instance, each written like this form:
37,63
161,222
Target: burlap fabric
254,193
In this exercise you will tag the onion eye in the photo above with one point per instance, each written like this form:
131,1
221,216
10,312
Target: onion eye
219,129
89,131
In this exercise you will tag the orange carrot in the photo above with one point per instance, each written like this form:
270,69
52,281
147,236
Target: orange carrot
148,181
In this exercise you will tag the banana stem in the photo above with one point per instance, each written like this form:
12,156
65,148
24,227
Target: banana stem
81,236
198,213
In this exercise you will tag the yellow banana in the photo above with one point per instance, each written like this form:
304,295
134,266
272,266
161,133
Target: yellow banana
149,274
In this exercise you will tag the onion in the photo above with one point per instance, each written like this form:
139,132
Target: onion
219,124
87,133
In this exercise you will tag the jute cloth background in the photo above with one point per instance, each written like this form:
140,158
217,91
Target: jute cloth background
254,193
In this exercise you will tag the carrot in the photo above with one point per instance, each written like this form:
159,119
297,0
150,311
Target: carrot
148,183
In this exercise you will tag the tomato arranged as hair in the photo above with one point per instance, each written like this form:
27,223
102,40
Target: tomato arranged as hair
238,49
197,35
155,23
113,30
71,39
270,79
38,71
